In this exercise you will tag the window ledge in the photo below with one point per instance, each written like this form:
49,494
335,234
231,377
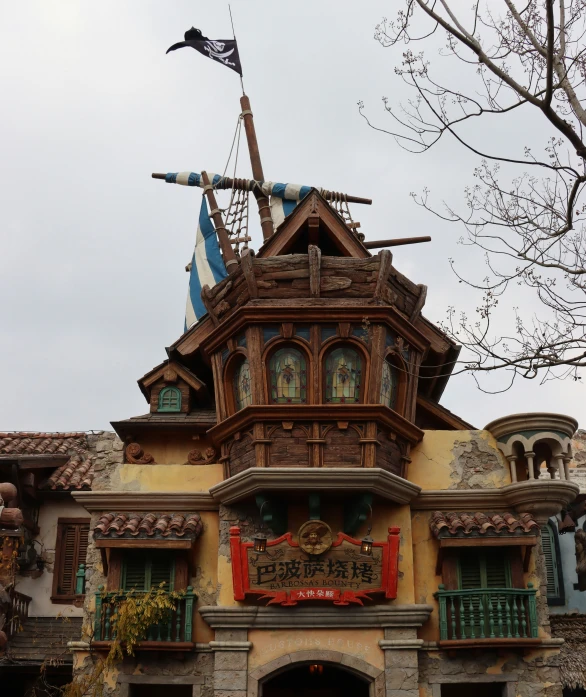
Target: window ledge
76,600
150,645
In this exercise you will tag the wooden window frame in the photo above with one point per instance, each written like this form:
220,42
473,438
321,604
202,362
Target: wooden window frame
329,348
267,358
482,554
148,562
397,362
231,366
57,597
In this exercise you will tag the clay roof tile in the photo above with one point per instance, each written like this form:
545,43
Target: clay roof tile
476,524
139,525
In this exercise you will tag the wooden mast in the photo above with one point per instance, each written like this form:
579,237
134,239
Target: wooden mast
230,260
264,209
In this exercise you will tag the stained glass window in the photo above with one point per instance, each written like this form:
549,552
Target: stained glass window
327,332
288,376
170,399
389,385
343,376
242,386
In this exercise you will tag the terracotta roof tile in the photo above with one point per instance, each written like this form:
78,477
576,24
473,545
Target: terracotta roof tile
33,443
131,525
76,473
473,524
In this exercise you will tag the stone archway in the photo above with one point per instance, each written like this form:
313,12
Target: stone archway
374,677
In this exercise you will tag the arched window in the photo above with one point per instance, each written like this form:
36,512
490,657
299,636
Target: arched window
389,386
343,376
288,377
170,399
242,386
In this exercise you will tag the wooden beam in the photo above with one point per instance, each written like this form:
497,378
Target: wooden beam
384,271
228,253
248,271
488,541
314,254
143,543
399,242
419,303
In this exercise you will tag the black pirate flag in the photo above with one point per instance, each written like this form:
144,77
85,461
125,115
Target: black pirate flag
224,51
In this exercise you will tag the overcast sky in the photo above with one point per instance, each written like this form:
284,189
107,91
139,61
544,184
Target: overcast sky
93,250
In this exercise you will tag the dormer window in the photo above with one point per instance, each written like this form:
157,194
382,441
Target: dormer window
288,377
170,399
343,376
242,385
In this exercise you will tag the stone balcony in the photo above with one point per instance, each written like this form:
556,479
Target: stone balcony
538,448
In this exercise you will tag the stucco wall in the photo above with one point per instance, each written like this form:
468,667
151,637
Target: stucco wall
40,588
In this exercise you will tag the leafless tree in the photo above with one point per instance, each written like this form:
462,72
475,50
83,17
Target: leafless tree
526,211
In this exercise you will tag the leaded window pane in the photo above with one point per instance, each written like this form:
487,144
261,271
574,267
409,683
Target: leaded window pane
389,385
343,376
242,386
288,376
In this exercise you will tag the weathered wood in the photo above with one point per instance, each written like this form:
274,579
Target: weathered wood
266,221
209,304
228,253
397,242
283,275
419,303
247,270
314,254
339,263
386,264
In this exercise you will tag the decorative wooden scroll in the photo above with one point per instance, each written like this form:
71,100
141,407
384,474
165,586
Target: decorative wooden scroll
285,575
137,456
198,457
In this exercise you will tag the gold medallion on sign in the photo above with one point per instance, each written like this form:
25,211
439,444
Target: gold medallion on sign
315,537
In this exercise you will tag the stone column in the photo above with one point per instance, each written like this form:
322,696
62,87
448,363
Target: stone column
401,661
231,648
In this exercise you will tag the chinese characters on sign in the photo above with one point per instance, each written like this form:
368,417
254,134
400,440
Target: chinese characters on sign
285,574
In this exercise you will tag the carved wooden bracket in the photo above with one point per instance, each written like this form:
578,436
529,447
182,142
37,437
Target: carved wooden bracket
136,455
197,457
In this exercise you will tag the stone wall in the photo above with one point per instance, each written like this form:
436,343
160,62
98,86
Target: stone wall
529,674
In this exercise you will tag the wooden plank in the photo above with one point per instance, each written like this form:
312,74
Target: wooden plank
419,303
142,543
314,254
246,265
488,541
384,270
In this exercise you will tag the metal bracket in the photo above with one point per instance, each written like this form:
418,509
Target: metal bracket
356,512
274,513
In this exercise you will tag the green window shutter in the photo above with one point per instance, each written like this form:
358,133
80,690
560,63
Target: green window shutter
143,570
496,569
170,399
134,574
551,563
162,571
483,569
469,571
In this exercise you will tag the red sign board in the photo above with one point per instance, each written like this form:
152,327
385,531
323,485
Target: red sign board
285,574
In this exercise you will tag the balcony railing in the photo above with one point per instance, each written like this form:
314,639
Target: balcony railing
175,631
489,614
17,613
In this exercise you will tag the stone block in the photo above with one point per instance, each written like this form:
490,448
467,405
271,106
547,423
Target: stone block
231,635
401,658
396,633
230,680
402,693
402,679
229,693
231,660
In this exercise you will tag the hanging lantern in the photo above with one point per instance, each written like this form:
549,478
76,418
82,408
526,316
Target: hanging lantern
316,669
260,543
366,545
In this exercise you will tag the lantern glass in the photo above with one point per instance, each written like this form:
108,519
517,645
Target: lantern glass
316,669
260,544
366,545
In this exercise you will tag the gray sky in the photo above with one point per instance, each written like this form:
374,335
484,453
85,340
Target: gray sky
93,250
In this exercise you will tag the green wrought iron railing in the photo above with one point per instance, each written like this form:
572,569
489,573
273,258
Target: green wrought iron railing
487,613
177,627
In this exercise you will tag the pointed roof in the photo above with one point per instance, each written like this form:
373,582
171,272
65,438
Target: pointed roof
314,221
170,370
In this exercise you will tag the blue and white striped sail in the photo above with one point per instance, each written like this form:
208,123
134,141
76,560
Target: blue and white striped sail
206,267
283,197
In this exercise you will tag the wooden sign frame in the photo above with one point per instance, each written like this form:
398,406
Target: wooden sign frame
339,596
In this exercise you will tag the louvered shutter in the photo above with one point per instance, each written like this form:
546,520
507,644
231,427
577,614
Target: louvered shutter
470,572
143,570
134,576
162,567
551,567
72,552
495,570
